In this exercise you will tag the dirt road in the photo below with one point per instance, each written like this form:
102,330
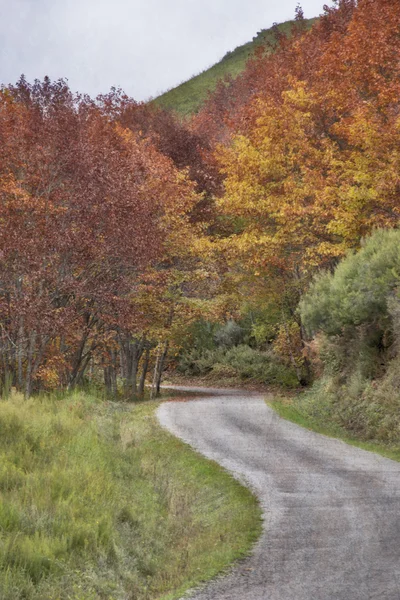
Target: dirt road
332,511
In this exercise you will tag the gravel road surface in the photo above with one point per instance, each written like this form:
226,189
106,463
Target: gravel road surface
332,511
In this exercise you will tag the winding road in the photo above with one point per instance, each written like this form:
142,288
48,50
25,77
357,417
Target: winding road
331,511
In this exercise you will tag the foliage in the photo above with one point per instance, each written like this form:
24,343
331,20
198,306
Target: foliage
357,310
127,233
271,189
92,227
314,128
238,362
98,501
123,225
307,139
188,149
229,335
357,407
358,291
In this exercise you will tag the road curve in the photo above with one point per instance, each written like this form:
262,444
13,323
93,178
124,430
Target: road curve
332,511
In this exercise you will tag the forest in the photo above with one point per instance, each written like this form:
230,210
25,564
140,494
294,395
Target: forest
132,240
253,241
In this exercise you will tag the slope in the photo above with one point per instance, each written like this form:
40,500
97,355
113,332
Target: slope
187,97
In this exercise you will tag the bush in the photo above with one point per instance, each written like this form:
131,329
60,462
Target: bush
357,293
199,361
240,362
357,309
229,335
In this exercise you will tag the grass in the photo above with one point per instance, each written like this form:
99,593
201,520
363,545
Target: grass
98,502
188,97
294,409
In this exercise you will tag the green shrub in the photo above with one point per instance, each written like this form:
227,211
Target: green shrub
199,361
358,291
229,335
240,362
357,309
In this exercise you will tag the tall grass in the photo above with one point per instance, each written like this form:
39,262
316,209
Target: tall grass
96,501
317,410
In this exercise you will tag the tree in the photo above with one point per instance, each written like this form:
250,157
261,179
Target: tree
310,151
89,210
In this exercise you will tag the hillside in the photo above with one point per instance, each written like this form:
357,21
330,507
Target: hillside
187,97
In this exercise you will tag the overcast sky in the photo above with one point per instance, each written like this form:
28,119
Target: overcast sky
143,46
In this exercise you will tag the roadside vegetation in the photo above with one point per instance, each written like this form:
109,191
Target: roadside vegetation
303,410
97,501
353,318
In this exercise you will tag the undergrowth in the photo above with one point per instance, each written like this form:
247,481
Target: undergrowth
241,363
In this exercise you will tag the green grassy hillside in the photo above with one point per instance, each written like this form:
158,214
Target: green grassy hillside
187,97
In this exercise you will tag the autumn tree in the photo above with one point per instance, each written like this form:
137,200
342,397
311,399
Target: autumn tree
88,209
310,161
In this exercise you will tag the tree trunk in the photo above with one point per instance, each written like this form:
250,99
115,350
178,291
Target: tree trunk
135,357
126,362
29,368
155,374
107,380
20,375
145,368
161,364
80,356
110,375
85,362
131,352
113,374
77,361
307,364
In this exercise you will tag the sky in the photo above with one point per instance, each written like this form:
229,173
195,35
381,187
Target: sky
143,46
